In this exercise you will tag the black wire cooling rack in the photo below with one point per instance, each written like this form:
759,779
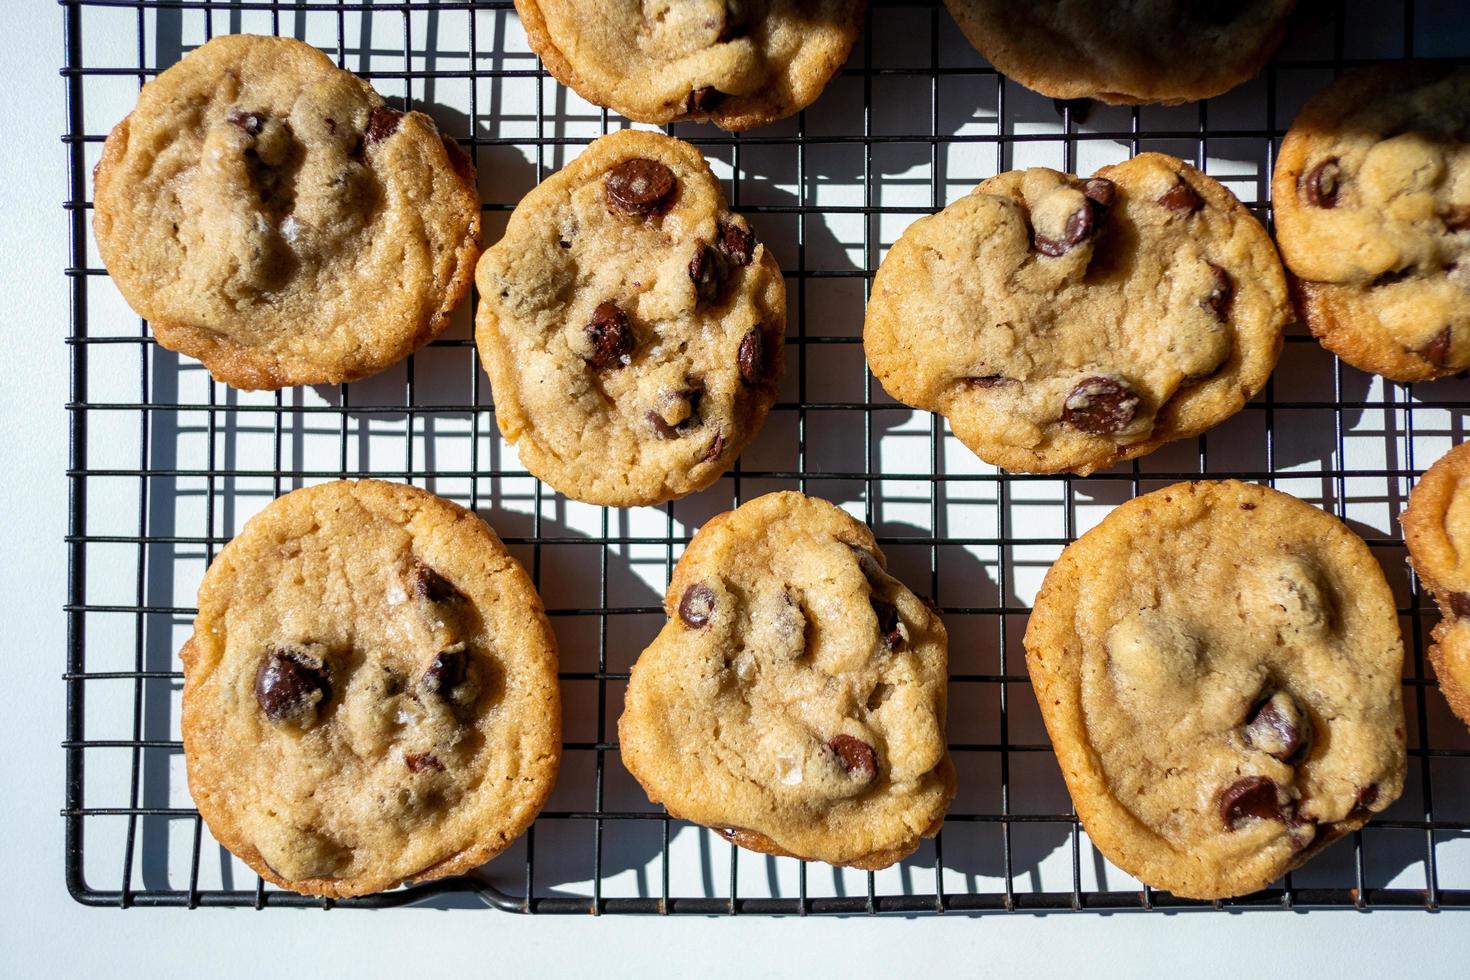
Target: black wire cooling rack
164,466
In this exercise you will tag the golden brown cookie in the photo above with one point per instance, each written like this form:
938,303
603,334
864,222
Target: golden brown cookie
370,693
795,700
1069,324
1372,199
1125,51
736,63
1218,665
269,215
631,325
1437,532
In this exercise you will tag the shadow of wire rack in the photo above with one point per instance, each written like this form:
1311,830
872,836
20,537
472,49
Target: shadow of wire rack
165,465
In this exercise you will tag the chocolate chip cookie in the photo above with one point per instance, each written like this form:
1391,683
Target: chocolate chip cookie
736,63
370,693
795,700
1125,52
1437,531
1218,665
1067,324
1372,199
271,216
631,325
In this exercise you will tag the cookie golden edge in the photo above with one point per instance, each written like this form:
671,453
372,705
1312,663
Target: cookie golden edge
1052,656
735,114
1013,61
888,362
240,365
754,840
1431,553
516,424
1331,311
216,812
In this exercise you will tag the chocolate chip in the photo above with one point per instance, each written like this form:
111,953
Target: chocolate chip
704,99
331,125
661,428
752,357
429,584
382,123
890,627
1437,351
1100,191
737,243
1322,182
1391,276
1247,506
989,381
251,122
706,273
1301,830
1279,728
422,762
1181,197
1253,797
290,684
1076,230
1099,406
1221,294
856,756
1457,218
449,670
1363,805
715,448
610,336
639,186
697,606
1459,603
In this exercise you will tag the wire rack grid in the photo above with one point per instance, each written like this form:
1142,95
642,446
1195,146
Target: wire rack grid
165,466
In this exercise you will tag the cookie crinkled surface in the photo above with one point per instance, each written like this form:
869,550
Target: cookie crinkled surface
1125,51
1437,532
1372,198
795,700
1063,323
631,324
1219,666
736,63
370,693
268,214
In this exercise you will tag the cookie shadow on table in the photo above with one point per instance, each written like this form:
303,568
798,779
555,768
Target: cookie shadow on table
1010,820
604,600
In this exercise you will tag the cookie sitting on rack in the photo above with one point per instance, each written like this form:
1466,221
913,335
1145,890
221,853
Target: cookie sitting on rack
370,693
631,325
1068,324
736,63
795,700
1218,665
1125,51
1372,199
1437,533
271,216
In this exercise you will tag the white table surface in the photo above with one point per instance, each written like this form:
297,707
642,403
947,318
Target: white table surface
44,933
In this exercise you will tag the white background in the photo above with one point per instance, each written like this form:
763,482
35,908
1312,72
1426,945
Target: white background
42,932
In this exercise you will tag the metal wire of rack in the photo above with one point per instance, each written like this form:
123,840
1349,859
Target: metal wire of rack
165,465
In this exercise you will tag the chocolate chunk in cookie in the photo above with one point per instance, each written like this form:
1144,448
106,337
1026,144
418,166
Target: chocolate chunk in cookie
629,323
1218,665
374,754
737,64
796,693
266,213
1063,324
